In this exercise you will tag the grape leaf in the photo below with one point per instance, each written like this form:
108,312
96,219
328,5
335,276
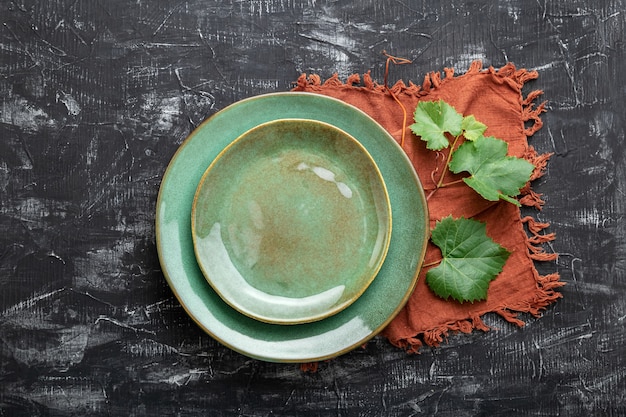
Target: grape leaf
433,119
472,128
494,175
471,260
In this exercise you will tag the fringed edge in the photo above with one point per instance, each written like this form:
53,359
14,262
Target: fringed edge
528,197
433,80
309,367
536,239
438,335
545,295
313,82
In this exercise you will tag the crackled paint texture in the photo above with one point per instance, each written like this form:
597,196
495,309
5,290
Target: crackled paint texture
96,96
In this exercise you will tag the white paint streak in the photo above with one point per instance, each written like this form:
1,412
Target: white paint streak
549,65
19,112
514,12
30,302
461,62
92,151
4,176
68,349
122,325
168,109
149,348
72,106
260,84
100,269
591,216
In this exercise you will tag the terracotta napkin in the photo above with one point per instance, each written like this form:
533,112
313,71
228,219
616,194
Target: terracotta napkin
495,98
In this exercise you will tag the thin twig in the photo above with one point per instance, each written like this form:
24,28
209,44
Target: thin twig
428,265
440,183
447,184
396,61
448,159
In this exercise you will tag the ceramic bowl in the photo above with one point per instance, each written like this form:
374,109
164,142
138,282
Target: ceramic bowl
291,222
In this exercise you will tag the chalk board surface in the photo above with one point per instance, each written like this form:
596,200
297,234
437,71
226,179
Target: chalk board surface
96,96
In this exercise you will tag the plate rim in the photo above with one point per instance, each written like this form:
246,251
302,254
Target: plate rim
418,260
387,226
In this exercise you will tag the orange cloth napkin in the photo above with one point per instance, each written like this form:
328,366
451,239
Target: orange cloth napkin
495,98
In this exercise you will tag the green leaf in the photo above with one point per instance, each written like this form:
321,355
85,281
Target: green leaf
433,119
472,128
471,260
494,175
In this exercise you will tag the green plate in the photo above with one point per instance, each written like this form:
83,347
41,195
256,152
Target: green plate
291,222
318,340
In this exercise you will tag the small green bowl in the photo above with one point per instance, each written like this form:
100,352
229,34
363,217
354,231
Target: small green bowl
291,222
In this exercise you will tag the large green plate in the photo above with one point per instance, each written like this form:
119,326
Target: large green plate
319,340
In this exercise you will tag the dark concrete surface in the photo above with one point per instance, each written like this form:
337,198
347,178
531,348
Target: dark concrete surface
96,96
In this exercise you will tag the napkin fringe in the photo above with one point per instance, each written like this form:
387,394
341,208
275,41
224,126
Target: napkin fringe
545,295
508,74
547,285
310,367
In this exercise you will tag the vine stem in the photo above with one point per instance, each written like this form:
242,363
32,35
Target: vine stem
396,61
447,184
428,265
440,183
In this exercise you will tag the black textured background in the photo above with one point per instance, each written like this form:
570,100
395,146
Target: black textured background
97,95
